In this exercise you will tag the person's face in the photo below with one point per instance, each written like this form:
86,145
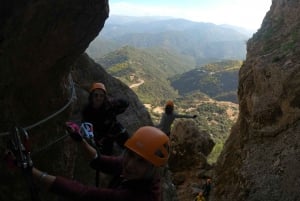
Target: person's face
98,98
169,109
135,167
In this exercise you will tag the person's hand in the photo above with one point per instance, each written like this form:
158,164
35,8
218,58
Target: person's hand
194,116
74,131
14,162
10,160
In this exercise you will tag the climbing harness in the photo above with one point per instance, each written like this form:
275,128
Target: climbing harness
19,145
21,152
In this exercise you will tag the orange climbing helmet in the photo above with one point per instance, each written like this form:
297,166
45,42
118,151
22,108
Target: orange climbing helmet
97,85
151,144
170,103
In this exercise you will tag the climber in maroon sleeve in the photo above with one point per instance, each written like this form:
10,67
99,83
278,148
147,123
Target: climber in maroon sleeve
102,112
135,172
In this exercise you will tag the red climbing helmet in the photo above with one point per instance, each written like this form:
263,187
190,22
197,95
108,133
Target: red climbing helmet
170,103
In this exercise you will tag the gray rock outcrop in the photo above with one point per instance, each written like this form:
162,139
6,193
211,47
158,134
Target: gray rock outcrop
260,160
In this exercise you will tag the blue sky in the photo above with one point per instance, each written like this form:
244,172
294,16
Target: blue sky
244,13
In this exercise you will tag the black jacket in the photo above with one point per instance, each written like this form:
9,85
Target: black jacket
107,129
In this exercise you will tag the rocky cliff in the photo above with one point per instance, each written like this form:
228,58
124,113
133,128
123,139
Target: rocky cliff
45,77
188,159
260,160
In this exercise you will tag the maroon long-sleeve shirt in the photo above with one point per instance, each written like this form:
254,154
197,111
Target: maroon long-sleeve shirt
122,190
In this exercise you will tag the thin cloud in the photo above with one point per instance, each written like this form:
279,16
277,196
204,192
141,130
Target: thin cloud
248,14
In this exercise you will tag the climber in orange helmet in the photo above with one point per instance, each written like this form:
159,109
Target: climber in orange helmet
136,170
169,116
136,175
102,112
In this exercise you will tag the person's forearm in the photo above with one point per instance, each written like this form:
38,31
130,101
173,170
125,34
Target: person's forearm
90,151
43,179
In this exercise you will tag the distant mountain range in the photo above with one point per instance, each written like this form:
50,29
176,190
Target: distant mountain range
204,42
166,58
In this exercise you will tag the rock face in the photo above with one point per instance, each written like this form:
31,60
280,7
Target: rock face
41,47
188,160
260,160
39,40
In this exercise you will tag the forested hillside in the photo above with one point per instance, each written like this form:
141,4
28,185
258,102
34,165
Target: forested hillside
147,71
218,80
